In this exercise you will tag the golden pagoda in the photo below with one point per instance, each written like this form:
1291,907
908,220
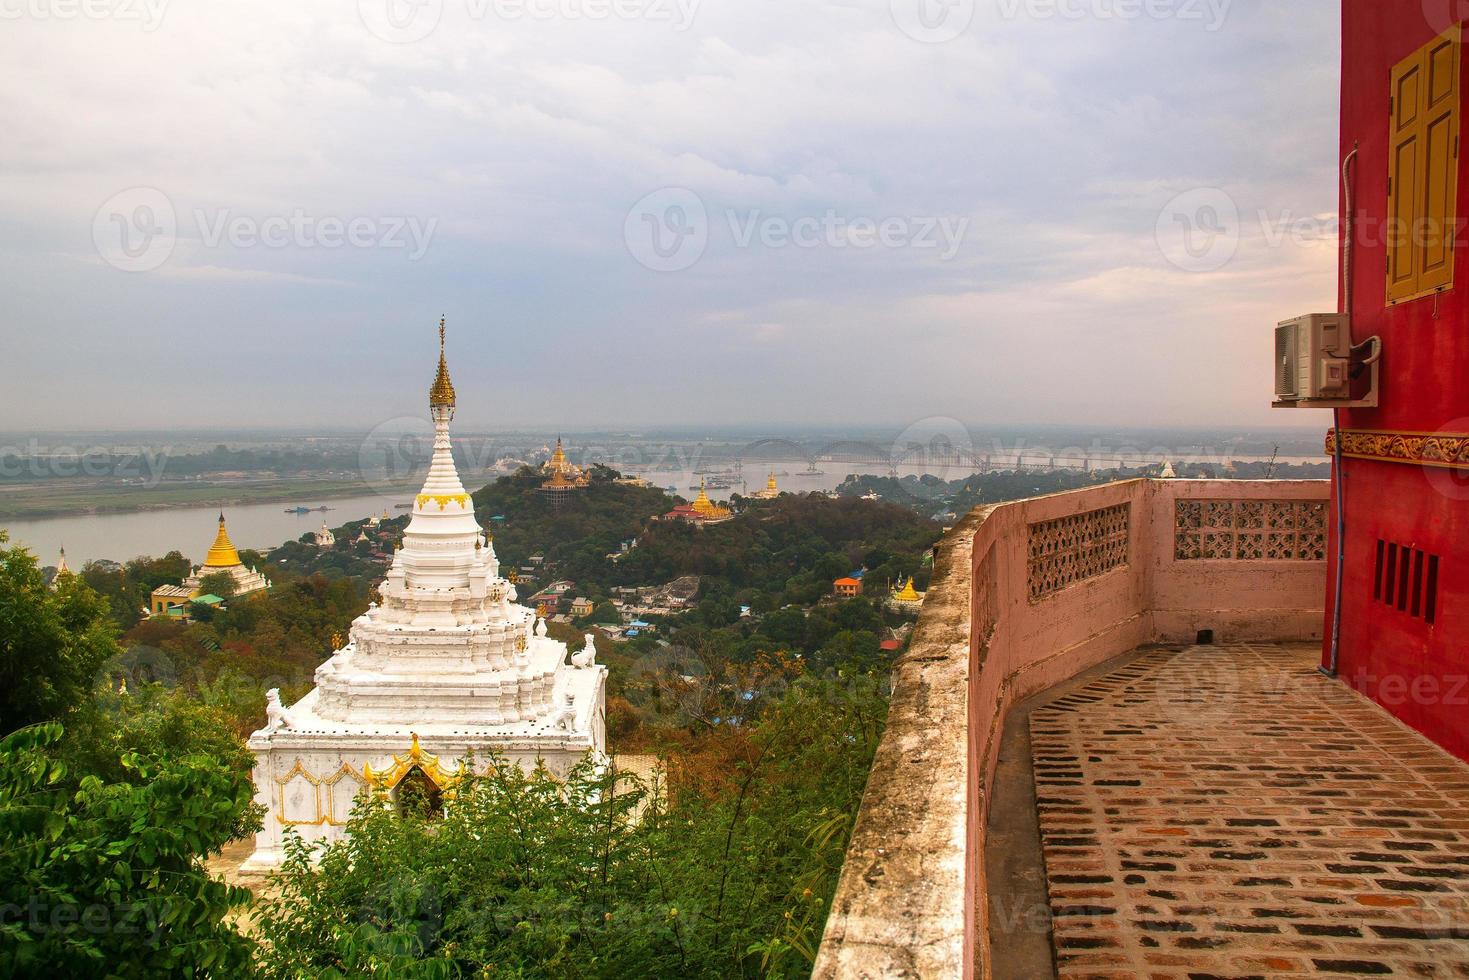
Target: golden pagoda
174,601
708,508
907,598
771,491
565,476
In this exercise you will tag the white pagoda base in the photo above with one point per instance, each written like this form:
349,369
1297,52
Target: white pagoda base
308,776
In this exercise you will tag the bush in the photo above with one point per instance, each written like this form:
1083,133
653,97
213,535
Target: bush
722,873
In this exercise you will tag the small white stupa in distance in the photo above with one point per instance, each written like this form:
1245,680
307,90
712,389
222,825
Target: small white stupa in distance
448,666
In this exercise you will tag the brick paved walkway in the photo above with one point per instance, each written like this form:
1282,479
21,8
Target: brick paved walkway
1229,812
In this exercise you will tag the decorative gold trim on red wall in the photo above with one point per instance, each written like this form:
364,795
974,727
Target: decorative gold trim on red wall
1445,449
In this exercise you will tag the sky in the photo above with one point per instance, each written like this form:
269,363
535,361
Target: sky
644,212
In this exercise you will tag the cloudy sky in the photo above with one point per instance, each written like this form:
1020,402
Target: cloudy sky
634,212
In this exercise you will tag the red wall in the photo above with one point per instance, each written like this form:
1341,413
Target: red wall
1417,671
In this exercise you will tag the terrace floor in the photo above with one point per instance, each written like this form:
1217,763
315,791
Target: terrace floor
1226,811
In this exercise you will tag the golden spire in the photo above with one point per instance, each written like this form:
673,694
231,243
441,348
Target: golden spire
908,593
441,395
770,483
222,553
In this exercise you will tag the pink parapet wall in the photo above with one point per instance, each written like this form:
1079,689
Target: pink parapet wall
1026,595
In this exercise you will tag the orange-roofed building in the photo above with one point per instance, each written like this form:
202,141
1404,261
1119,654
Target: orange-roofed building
847,587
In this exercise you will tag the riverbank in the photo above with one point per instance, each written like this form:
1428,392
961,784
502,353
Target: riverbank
69,498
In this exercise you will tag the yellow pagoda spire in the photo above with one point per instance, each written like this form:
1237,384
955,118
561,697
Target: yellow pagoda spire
702,503
222,553
441,394
907,593
770,483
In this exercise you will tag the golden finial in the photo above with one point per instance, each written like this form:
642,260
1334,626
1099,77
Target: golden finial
441,395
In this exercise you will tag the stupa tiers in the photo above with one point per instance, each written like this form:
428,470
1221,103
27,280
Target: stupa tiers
447,667
221,559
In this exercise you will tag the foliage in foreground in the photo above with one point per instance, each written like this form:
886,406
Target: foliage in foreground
109,803
527,876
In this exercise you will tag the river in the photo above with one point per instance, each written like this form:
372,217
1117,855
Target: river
263,526
186,529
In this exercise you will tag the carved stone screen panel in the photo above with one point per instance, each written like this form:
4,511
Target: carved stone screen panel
1073,549
1250,530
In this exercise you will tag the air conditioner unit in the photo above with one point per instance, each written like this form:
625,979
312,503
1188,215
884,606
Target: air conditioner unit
1312,357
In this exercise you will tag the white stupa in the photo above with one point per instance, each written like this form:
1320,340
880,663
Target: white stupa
449,665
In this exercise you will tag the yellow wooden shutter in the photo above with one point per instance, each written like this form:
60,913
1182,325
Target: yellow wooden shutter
1423,170
1440,126
1405,144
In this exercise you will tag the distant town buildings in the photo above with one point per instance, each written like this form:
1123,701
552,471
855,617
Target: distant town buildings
547,601
222,559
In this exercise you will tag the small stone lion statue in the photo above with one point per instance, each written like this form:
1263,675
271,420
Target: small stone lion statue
587,655
276,715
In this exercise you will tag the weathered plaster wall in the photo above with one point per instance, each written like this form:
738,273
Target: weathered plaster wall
910,900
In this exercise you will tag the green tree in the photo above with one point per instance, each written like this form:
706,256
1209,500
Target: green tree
221,584
107,874
52,642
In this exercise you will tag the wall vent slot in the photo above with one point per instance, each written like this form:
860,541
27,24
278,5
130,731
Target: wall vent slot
1406,578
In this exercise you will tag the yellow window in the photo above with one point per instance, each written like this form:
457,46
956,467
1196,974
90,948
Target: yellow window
1423,170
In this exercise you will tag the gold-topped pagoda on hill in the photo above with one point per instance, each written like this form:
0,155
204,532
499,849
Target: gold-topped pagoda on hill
701,511
564,476
221,559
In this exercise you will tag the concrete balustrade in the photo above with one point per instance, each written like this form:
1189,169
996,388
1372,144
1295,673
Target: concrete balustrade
1026,595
